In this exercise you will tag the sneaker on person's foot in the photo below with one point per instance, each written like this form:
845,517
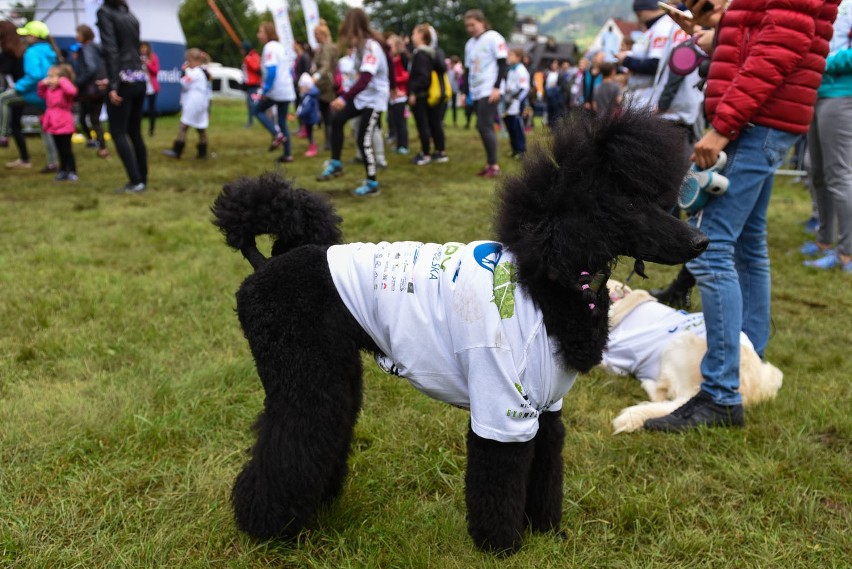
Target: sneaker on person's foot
493,171
440,157
421,160
131,188
827,262
50,168
284,159
4,141
92,143
277,141
811,225
402,150
61,176
700,411
103,153
312,150
811,249
368,188
72,177
484,170
333,168
19,164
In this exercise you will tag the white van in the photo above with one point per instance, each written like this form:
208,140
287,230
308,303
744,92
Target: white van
227,82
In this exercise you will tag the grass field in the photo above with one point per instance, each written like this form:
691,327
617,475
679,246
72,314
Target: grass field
127,393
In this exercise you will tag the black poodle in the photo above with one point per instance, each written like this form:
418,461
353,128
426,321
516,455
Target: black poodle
500,328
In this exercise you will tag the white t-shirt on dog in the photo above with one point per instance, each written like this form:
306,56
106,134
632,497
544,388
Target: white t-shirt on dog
452,320
636,345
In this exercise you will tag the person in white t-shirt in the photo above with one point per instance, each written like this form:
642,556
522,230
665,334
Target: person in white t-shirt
277,88
647,59
194,104
367,98
515,98
485,64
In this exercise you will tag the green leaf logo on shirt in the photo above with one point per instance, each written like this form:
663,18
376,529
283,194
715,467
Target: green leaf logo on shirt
505,276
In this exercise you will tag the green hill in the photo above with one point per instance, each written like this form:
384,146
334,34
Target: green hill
574,20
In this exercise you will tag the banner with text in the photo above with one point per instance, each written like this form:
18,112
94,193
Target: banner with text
312,18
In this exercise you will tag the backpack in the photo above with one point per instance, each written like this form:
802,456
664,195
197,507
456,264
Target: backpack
440,90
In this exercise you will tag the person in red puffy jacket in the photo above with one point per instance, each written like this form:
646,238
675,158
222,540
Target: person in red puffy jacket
767,61
59,92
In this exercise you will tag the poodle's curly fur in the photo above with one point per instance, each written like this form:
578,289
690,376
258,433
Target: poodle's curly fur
588,195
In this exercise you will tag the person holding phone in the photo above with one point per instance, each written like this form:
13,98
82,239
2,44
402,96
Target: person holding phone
649,53
764,72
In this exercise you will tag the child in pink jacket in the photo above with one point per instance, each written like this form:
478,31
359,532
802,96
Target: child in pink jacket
58,91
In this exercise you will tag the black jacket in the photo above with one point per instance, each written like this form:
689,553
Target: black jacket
90,66
120,40
424,61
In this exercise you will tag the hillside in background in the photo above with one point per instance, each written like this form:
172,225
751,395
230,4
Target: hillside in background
574,20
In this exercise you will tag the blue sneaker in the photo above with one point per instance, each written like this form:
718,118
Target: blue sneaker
333,169
402,150
811,249
827,262
368,188
811,225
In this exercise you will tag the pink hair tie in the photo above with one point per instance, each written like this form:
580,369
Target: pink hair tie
586,287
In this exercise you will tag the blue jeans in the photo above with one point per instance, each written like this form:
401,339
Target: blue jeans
733,273
260,108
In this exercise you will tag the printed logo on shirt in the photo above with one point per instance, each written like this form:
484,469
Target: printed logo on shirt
488,255
370,59
505,277
659,42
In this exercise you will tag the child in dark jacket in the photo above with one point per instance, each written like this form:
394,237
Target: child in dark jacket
308,111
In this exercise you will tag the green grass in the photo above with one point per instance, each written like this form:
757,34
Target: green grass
127,392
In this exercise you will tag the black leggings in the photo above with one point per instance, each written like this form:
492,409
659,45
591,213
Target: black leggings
325,114
152,112
369,122
125,126
66,155
430,125
16,113
398,124
90,119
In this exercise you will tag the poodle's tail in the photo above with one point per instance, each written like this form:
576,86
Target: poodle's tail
269,205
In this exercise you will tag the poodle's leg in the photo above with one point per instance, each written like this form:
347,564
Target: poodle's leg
306,348
299,458
544,488
495,492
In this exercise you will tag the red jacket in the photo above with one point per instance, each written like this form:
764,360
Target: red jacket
251,69
152,66
768,63
57,119
401,74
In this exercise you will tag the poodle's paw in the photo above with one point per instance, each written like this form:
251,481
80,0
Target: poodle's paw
498,541
256,512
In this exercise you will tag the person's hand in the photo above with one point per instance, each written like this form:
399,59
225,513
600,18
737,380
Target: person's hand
338,104
494,97
411,100
706,151
621,55
686,24
707,19
704,40
114,98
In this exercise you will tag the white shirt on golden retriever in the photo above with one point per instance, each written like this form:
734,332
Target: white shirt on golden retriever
663,348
